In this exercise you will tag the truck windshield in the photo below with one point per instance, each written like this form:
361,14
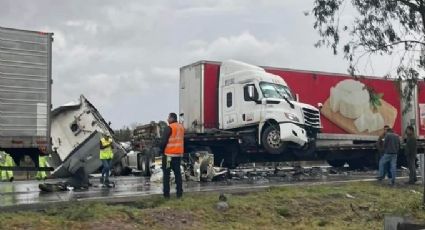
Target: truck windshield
271,90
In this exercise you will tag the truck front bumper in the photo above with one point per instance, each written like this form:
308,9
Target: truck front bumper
293,133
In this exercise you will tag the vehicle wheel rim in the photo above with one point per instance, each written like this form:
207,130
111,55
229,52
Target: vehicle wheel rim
273,139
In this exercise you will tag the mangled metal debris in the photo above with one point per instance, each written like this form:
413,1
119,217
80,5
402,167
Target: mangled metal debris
76,131
199,167
157,173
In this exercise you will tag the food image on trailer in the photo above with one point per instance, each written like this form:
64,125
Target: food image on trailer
358,108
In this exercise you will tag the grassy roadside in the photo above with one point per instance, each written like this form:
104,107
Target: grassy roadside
348,206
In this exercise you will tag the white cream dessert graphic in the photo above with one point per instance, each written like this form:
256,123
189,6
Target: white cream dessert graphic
358,109
350,98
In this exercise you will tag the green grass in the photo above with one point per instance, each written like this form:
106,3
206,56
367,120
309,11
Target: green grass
308,207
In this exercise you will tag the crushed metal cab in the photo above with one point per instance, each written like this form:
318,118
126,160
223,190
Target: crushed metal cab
76,132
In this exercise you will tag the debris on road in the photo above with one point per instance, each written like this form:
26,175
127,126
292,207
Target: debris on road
157,173
199,167
57,187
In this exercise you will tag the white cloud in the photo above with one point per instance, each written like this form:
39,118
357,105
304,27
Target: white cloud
89,26
103,88
166,74
245,47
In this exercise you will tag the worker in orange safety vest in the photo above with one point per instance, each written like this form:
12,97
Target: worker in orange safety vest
172,148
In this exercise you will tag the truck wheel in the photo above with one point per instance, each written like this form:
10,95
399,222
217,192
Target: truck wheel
336,163
357,163
145,165
271,141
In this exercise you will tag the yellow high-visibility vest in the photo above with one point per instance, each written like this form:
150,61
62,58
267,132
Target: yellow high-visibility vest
106,153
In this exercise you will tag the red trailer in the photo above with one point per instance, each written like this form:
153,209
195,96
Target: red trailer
244,113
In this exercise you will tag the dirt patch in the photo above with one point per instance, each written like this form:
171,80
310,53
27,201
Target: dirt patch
112,224
170,218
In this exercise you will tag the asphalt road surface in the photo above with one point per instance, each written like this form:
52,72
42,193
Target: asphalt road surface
24,193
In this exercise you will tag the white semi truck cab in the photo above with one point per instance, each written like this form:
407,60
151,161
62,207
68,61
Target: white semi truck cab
237,97
250,96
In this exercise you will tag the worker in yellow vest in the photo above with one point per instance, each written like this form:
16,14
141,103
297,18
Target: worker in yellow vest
6,161
42,162
106,155
173,149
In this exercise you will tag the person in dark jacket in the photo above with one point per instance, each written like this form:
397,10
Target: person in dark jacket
391,149
410,151
380,147
172,147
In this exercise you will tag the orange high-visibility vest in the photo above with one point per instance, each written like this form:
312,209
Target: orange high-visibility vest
176,141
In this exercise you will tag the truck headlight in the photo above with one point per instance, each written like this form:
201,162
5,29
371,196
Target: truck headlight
292,117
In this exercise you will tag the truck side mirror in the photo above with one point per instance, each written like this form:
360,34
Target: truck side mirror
251,92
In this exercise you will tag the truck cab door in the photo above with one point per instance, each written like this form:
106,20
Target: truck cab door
229,108
249,108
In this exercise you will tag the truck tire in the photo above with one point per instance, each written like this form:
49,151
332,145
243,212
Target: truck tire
357,163
145,164
271,141
336,163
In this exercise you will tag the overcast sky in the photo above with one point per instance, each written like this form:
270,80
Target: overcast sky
124,56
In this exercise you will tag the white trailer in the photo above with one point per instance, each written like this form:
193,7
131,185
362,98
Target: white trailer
25,92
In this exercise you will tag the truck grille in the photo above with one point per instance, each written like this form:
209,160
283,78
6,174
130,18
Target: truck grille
311,117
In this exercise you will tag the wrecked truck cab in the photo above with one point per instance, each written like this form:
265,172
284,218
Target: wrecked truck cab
76,131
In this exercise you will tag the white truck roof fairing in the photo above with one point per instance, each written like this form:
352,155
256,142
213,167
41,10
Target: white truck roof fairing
233,66
232,71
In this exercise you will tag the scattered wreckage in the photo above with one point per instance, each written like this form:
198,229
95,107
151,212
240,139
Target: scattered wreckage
199,166
145,156
76,129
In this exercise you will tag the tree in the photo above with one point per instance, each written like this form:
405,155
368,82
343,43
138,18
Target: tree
123,134
379,27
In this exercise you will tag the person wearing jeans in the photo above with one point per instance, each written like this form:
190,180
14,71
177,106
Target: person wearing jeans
390,158
106,156
380,146
391,149
106,171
